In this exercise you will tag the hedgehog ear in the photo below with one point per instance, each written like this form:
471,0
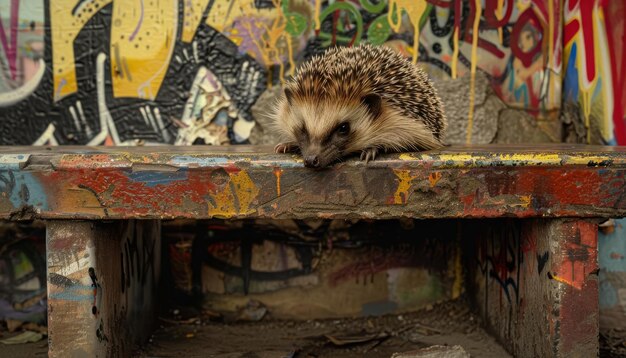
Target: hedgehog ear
288,94
374,103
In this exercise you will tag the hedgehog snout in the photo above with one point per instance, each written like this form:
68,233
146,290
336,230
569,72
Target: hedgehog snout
312,161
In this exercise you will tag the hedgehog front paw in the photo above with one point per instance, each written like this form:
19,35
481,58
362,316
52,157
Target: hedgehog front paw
288,147
369,154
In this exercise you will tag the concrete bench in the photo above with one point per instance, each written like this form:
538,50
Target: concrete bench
534,281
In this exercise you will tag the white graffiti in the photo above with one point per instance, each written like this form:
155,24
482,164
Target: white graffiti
26,89
47,138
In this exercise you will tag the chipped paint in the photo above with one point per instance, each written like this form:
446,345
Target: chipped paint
235,198
402,192
243,181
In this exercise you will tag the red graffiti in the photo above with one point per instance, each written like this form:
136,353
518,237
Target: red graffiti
10,49
527,56
490,13
616,37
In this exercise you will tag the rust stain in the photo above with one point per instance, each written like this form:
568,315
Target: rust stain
278,172
433,178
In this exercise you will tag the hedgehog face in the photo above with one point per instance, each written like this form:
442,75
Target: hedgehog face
326,130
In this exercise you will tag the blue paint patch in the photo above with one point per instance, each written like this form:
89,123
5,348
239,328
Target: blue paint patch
608,294
200,161
570,83
152,179
378,308
612,248
70,294
23,189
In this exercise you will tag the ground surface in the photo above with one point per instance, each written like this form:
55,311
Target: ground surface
444,324
451,323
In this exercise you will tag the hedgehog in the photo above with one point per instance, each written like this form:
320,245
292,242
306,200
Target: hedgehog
364,99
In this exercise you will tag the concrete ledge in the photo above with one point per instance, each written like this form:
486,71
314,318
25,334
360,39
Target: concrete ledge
196,182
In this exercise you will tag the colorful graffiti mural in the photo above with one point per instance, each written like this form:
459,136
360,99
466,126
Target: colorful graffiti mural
119,73
595,63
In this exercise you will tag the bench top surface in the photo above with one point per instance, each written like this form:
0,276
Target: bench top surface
479,155
77,182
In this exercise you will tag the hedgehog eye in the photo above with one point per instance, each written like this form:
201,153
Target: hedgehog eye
344,128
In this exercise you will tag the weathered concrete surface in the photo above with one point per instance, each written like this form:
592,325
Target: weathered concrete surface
517,126
455,95
240,182
102,286
435,352
262,134
535,283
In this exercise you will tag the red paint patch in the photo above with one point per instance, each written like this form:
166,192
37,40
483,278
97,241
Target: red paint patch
116,192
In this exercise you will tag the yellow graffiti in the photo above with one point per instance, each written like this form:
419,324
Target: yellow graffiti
470,119
499,10
143,35
455,53
264,28
594,97
225,199
550,38
402,192
65,25
415,10
192,17
318,9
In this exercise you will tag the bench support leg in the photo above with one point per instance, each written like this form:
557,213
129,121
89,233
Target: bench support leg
535,284
102,286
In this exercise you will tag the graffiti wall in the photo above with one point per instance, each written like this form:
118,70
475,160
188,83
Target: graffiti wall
595,81
188,72
313,269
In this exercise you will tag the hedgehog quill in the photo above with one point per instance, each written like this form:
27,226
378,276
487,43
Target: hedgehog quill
365,99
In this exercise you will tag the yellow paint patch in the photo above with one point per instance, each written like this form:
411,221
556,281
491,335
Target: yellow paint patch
406,156
433,178
566,281
192,17
457,158
245,191
402,192
74,197
540,157
143,35
415,10
64,27
526,200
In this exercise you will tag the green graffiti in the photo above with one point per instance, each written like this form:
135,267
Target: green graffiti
353,14
379,30
373,8
296,23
